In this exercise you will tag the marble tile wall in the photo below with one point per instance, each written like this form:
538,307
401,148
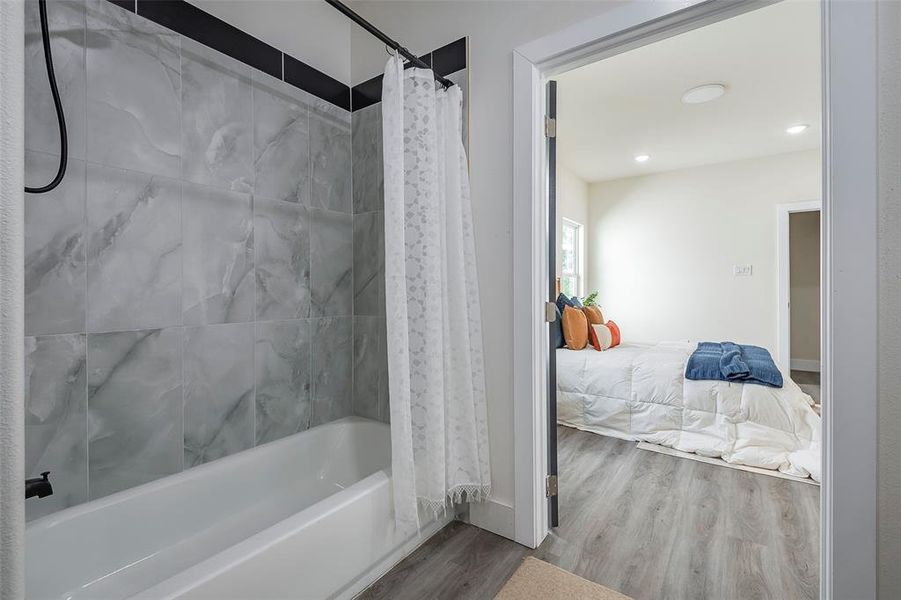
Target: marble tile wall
190,288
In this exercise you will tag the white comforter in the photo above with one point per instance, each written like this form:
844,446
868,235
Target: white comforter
638,392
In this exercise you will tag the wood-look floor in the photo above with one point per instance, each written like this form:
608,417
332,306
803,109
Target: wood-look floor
651,526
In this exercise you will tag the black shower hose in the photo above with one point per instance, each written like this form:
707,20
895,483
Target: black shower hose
61,119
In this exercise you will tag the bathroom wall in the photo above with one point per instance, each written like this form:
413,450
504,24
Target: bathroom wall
370,351
189,287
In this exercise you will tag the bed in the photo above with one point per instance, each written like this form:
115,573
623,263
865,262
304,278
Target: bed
638,392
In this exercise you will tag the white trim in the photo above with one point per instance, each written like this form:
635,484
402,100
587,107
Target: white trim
494,516
579,252
848,493
783,274
802,364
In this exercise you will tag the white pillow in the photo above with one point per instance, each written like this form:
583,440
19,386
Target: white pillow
605,338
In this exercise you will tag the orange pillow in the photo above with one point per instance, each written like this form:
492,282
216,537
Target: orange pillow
575,328
614,330
594,314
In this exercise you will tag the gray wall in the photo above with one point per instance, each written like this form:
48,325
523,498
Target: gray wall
189,288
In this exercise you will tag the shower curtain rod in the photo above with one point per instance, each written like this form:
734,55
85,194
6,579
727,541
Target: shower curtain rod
353,16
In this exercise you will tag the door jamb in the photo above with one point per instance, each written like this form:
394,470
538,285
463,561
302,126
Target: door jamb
848,287
783,272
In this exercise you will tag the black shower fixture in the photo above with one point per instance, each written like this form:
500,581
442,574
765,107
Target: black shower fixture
60,118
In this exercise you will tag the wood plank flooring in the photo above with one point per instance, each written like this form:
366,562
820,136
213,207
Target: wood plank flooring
652,526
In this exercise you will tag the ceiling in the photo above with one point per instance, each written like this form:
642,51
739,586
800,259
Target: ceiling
630,104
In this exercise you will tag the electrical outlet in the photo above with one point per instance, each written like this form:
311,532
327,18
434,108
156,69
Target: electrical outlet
742,270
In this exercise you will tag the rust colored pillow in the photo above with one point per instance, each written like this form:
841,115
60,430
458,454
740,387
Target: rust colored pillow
594,314
593,337
575,328
614,331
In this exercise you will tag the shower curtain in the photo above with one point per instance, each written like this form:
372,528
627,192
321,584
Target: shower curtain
439,433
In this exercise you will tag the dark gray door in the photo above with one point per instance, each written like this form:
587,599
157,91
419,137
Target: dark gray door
551,133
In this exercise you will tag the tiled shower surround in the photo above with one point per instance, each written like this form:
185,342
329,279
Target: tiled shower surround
190,287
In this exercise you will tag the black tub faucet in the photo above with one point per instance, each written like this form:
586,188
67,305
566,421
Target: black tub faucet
38,486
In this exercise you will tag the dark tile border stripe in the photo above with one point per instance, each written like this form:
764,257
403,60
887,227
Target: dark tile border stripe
445,60
307,78
129,5
190,21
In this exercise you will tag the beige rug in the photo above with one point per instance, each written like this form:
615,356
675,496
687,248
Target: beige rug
538,580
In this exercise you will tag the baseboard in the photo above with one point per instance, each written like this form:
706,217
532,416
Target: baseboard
802,364
494,516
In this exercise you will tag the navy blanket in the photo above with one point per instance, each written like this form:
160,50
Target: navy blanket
726,361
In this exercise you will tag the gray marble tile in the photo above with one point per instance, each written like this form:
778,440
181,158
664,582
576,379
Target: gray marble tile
135,409
330,112
332,369
369,264
55,421
282,241
330,148
54,249
219,398
67,41
134,250
218,256
217,129
281,141
367,344
368,168
331,263
283,367
133,91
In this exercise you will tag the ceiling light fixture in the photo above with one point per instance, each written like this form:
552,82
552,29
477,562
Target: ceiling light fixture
703,93
796,129
642,157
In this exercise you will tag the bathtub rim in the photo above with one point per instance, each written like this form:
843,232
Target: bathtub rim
49,521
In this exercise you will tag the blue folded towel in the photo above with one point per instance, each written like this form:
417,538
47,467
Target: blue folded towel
727,361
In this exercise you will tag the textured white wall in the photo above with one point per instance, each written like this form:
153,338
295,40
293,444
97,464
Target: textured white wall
12,288
662,248
889,434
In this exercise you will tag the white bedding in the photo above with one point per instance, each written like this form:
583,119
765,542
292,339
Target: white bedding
638,392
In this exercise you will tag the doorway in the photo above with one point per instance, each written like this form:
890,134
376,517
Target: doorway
849,279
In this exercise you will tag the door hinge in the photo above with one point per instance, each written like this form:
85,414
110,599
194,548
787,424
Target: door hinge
550,486
550,127
550,312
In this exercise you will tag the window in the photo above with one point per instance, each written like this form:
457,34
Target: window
571,254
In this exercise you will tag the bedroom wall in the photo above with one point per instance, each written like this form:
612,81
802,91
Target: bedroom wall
804,261
572,203
662,248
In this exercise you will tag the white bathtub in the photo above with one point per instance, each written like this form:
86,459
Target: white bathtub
308,516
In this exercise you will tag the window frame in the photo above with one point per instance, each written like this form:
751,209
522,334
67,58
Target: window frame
578,252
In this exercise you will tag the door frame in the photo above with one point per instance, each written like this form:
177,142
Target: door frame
848,288
783,271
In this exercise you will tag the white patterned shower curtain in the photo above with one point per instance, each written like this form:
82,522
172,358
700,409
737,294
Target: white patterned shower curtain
439,432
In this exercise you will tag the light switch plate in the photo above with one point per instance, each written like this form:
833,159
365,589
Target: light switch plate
742,270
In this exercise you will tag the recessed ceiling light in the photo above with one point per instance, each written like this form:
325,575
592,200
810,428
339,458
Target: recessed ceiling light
796,129
704,93
642,157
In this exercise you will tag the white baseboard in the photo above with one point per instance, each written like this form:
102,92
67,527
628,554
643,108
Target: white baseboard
494,516
802,364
